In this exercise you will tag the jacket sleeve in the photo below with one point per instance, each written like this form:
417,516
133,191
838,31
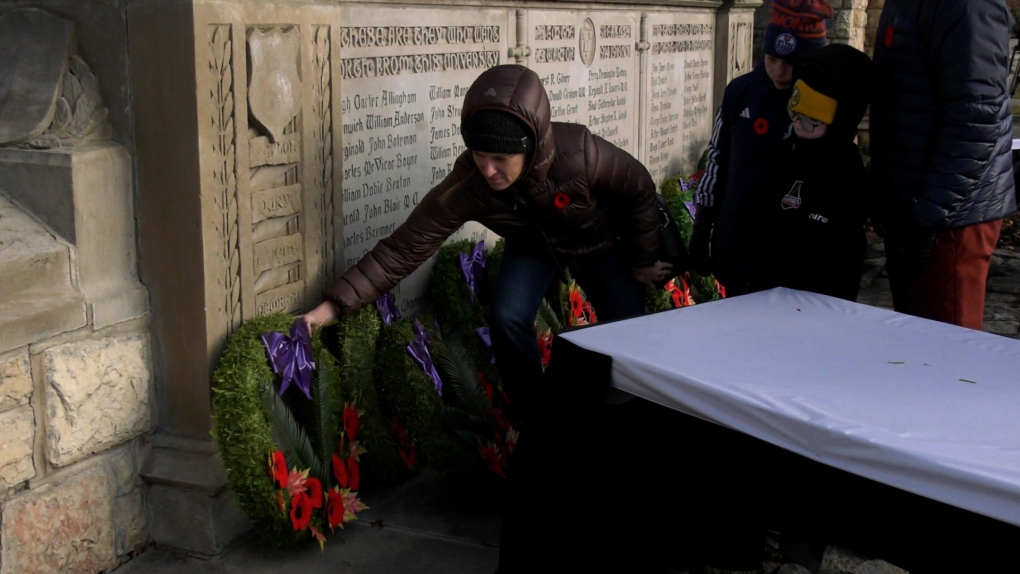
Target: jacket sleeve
712,187
967,47
440,213
619,179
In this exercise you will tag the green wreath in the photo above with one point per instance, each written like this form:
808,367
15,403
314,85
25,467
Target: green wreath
287,457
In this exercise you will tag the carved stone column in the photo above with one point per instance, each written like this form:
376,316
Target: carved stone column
234,123
734,29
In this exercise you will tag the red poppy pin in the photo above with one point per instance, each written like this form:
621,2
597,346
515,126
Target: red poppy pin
761,126
561,200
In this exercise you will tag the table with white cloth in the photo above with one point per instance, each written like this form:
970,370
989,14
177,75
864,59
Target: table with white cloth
924,406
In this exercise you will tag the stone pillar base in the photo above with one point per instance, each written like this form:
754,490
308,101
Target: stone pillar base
190,508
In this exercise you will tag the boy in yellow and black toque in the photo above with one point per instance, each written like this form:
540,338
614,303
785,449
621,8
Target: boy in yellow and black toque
749,127
815,209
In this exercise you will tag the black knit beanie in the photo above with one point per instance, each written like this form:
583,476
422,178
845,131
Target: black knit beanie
494,131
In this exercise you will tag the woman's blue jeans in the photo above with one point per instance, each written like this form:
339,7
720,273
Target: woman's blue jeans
524,277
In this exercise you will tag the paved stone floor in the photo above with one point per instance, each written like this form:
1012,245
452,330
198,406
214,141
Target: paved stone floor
432,525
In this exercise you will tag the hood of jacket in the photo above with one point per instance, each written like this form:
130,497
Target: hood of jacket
517,90
845,74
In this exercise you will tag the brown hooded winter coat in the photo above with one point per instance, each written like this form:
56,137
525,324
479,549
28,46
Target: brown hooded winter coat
583,192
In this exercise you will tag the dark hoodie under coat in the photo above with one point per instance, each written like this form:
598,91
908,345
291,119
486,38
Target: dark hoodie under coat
609,197
811,229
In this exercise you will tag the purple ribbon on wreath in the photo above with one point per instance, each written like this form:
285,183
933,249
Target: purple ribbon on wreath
692,208
483,334
291,356
419,351
472,266
387,307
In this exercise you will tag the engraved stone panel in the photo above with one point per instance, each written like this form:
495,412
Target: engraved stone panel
679,87
404,78
588,62
275,175
274,86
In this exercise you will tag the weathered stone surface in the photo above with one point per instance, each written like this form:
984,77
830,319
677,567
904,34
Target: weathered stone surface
17,435
131,527
35,279
65,526
88,202
15,381
31,82
97,395
122,471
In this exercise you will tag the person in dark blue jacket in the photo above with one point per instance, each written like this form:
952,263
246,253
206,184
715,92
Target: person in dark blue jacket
749,127
941,133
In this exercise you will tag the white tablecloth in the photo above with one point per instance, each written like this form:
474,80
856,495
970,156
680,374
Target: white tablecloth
927,407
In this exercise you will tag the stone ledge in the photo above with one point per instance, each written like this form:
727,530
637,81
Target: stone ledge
29,317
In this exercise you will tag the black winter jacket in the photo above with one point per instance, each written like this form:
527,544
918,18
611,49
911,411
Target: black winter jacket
941,126
749,127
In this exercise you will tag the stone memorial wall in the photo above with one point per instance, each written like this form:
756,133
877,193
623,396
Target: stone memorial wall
678,91
588,62
272,145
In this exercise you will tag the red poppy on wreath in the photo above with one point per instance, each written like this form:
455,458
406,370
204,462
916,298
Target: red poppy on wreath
351,421
485,385
545,339
761,126
589,312
300,511
314,492
405,447
335,509
340,471
576,305
278,468
722,290
681,294
696,177
407,455
354,472
561,200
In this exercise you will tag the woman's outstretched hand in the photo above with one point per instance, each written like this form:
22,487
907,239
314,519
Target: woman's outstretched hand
658,272
319,316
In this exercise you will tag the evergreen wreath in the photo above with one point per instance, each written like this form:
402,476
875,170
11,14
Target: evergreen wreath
292,463
689,288
412,400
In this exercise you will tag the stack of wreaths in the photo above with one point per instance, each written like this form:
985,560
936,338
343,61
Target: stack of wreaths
300,419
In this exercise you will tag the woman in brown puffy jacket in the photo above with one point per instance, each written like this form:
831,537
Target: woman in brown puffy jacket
555,192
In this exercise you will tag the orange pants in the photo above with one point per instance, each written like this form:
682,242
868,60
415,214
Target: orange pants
952,286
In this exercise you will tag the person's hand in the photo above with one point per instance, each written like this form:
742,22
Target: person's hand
319,316
700,249
650,276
